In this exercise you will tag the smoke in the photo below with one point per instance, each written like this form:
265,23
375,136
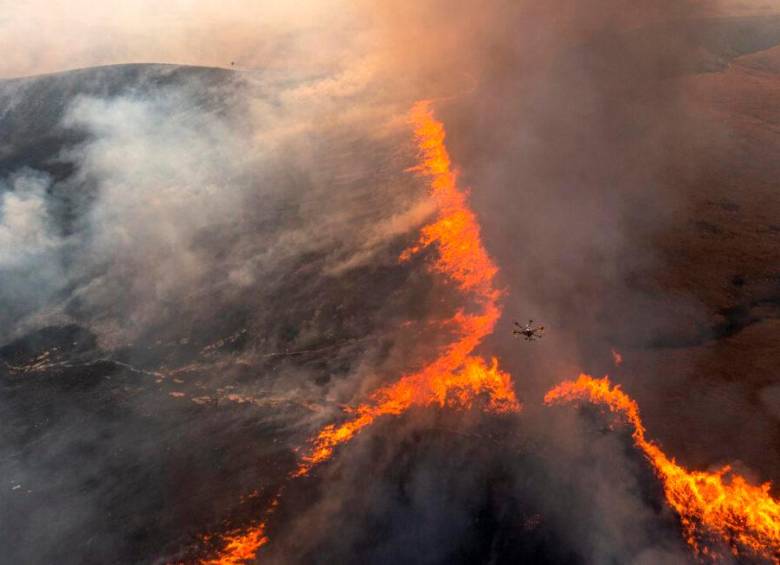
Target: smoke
24,220
576,127
28,246
55,36
314,35
196,243
551,488
227,245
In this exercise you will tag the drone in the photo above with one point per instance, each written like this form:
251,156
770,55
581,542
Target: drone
528,331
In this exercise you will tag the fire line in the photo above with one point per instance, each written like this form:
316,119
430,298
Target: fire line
456,378
720,505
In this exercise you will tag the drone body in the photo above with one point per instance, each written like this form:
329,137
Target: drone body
528,331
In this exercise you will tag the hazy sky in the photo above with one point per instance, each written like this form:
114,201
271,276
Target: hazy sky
39,36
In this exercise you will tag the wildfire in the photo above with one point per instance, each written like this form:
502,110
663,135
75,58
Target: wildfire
455,378
720,504
240,546
429,387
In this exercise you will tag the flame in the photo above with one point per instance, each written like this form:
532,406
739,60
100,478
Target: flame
455,378
617,357
429,387
239,547
719,504
456,231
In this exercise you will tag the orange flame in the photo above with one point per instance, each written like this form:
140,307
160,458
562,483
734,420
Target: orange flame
722,504
240,547
428,387
455,378
617,357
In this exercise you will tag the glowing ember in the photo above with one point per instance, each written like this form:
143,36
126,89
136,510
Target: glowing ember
720,504
455,378
617,358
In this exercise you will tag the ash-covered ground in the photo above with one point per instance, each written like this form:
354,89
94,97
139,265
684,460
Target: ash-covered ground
199,268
